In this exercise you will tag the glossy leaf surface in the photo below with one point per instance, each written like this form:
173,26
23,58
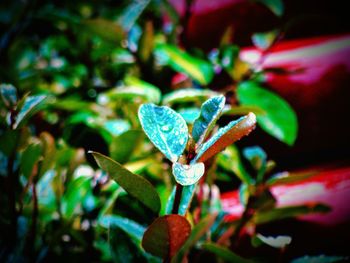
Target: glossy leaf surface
279,121
135,185
188,174
225,136
210,112
166,129
198,69
165,236
30,105
224,253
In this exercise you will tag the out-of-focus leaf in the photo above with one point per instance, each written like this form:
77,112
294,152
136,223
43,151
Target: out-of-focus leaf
46,194
116,127
264,40
166,129
108,205
29,158
131,13
105,29
189,114
198,231
146,42
198,69
166,235
135,185
276,242
241,110
124,145
133,89
210,112
280,120
289,178
230,160
320,259
188,174
48,152
188,95
257,158
226,136
73,198
276,6
290,211
224,253
8,94
30,105
133,229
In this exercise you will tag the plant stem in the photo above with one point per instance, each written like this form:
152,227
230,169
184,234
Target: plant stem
177,199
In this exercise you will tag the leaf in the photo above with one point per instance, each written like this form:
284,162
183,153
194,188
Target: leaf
124,145
188,174
276,242
133,229
146,42
226,136
166,235
289,178
257,158
135,185
230,160
224,253
241,110
30,105
198,69
210,112
188,95
8,94
320,259
29,158
264,40
143,88
198,231
276,6
48,152
9,141
279,121
73,198
290,211
132,13
189,114
105,29
166,129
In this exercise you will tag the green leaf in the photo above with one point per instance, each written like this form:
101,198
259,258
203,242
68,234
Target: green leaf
135,185
276,242
133,229
8,94
198,231
320,259
29,158
146,43
73,198
188,95
124,145
257,158
224,253
226,136
166,235
276,6
166,129
189,114
131,13
48,152
264,40
210,112
8,141
279,121
188,174
105,29
230,160
289,178
198,69
290,211
30,105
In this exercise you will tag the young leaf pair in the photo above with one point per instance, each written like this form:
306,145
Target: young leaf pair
168,131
